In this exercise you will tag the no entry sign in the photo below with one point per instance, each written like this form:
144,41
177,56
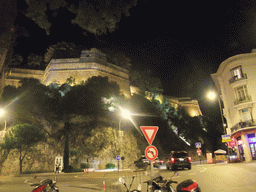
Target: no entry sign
151,152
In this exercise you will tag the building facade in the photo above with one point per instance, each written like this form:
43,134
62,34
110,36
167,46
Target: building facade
235,81
91,63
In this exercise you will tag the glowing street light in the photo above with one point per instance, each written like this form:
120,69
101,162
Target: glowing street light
212,95
2,113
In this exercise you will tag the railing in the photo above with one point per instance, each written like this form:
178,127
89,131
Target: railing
242,125
235,78
245,99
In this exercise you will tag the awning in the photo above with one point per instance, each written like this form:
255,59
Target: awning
220,151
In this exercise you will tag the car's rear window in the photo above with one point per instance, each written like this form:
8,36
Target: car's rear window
179,155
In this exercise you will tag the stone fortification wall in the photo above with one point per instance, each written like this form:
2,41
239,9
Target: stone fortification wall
91,63
15,75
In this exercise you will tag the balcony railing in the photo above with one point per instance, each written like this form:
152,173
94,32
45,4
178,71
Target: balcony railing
235,78
242,125
245,99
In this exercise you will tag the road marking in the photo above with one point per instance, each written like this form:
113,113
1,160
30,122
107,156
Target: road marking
192,174
203,170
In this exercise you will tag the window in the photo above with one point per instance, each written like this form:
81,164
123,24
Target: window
241,93
237,73
246,114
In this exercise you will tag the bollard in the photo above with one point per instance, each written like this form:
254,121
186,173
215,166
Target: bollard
104,186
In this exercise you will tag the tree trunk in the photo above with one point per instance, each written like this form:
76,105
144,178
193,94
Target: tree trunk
66,146
20,160
8,10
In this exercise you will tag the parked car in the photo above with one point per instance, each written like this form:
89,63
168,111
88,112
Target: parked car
157,162
142,163
179,159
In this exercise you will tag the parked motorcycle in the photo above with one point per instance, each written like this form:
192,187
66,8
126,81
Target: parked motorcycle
121,180
159,184
46,185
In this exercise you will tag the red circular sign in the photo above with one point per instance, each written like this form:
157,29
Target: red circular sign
151,152
198,151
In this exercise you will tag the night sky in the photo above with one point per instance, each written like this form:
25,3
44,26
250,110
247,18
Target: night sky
183,42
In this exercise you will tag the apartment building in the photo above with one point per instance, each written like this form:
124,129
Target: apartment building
235,81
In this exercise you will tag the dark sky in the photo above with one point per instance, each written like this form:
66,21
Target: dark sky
183,42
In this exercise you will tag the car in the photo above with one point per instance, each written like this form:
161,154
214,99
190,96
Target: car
157,162
142,162
179,159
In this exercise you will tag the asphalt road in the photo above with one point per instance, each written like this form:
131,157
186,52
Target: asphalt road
238,177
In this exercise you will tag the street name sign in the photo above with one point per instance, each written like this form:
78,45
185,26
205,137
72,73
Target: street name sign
226,138
151,152
149,133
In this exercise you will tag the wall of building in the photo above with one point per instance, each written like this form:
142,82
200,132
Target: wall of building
92,63
242,128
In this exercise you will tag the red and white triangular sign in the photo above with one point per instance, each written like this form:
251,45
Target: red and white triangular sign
149,132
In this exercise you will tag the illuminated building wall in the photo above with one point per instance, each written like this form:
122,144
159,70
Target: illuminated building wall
235,80
91,63
189,105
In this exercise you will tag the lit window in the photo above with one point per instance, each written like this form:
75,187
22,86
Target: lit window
237,72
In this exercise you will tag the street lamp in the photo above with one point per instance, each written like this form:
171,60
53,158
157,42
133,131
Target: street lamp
2,113
125,114
212,95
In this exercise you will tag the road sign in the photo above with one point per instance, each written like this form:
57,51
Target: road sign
118,157
198,145
149,132
151,152
226,138
198,151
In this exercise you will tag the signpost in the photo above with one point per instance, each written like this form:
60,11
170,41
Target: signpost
199,152
149,133
151,151
198,145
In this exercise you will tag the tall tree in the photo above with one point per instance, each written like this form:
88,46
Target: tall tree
84,101
23,137
93,16
62,50
16,60
148,84
34,60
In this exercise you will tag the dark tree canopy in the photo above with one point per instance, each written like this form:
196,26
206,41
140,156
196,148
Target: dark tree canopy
94,16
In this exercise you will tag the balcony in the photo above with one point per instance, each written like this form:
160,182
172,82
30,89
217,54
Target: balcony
235,78
242,125
245,99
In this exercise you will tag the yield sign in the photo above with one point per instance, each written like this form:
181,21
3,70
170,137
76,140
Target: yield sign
149,132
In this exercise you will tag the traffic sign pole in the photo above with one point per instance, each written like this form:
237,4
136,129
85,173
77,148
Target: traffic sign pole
151,151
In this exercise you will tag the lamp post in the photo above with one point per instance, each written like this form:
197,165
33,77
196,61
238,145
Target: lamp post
125,114
212,95
2,113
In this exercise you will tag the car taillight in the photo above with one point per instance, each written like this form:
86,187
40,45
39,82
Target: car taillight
172,160
154,162
189,159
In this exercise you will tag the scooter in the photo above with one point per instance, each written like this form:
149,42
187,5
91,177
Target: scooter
121,180
158,184
46,185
